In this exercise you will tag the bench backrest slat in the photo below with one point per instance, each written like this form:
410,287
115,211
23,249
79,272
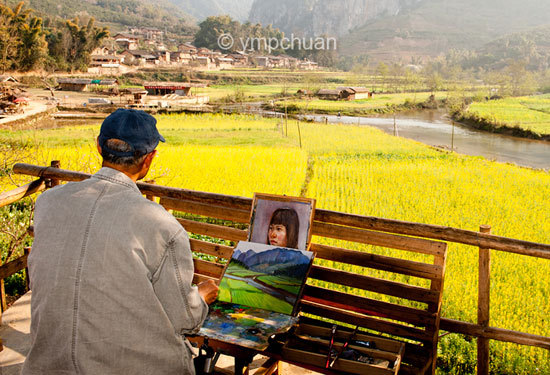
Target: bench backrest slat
370,237
373,284
376,261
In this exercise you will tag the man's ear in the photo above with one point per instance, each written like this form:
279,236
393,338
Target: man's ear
149,158
97,145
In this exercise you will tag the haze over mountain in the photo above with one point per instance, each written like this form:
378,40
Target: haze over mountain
200,9
402,29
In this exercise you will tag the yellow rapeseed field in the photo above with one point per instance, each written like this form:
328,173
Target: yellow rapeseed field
361,170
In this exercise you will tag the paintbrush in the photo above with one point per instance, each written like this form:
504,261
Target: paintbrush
344,346
332,334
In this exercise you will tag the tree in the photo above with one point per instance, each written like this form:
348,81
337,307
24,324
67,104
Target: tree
212,27
34,47
8,43
434,81
382,70
522,82
82,41
22,40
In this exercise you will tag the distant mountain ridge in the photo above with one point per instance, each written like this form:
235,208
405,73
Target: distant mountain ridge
275,261
394,30
323,17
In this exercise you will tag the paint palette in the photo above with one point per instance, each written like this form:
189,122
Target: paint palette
245,326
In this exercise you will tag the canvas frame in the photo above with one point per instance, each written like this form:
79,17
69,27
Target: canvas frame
306,222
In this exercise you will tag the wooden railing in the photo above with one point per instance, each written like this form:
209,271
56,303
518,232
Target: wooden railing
240,207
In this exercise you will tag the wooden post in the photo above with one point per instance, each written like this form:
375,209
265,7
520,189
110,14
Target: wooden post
286,120
453,136
27,251
483,303
395,132
150,196
299,133
3,303
53,181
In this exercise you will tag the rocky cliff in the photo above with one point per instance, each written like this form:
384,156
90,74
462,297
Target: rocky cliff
323,17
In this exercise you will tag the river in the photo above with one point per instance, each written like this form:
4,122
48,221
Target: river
434,128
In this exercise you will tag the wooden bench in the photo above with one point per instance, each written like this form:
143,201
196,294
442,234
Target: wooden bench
364,281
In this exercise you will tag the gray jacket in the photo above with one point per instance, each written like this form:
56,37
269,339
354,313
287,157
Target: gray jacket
111,280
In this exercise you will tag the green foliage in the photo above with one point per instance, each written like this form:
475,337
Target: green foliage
120,14
82,41
22,40
214,26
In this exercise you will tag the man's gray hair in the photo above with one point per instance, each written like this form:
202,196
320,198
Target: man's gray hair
121,146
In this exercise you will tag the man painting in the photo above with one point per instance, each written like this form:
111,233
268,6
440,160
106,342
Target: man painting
110,271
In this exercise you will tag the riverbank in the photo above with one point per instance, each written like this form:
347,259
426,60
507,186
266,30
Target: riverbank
435,128
526,117
378,104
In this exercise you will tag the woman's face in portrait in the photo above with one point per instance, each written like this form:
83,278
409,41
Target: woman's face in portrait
277,235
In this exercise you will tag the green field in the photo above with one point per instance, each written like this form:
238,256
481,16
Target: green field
282,283
379,103
531,113
239,292
360,170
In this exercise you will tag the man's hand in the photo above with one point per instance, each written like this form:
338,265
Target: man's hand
208,291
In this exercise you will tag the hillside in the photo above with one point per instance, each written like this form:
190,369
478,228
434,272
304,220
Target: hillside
200,9
118,14
532,46
402,29
317,17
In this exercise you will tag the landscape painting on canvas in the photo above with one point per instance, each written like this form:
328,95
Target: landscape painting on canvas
265,276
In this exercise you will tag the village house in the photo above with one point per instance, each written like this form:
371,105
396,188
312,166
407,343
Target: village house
239,58
188,48
262,61
355,93
106,61
278,62
344,93
181,58
167,88
204,62
83,84
224,62
137,95
204,52
148,33
139,57
307,65
163,57
328,94
74,84
101,51
304,93
127,41
126,44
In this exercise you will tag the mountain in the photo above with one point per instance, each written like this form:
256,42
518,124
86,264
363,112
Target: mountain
531,47
276,261
403,29
318,17
200,9
117,14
